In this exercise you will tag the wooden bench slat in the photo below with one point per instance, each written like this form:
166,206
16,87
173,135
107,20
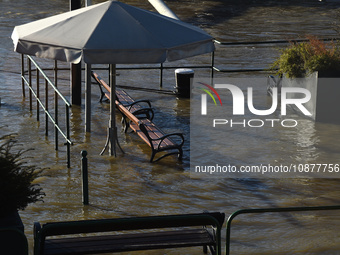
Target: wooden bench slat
129,242
164,238
161,235
124,98
154,133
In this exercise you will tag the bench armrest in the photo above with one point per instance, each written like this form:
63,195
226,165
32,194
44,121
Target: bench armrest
169,135
139,101
144,130
147,111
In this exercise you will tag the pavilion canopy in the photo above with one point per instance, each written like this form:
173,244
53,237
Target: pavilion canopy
111,33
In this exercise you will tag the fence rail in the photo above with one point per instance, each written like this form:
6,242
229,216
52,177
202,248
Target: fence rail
271,42
44,105
271,210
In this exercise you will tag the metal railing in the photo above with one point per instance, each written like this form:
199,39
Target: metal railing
212,66
271,210
45,105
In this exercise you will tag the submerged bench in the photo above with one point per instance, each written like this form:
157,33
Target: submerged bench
139,118
153,135
186,230
141,108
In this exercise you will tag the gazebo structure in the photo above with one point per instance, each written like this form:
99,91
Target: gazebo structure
110,33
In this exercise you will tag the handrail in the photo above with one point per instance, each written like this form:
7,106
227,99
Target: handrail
49,81
48,115
266,210
46,111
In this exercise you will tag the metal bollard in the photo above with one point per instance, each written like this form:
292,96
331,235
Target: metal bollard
85,179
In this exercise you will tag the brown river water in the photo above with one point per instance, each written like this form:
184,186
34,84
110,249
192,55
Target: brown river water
129,185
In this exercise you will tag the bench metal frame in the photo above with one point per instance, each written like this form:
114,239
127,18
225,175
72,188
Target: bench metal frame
174,238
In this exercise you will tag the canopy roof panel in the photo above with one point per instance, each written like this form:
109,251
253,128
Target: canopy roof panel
111,33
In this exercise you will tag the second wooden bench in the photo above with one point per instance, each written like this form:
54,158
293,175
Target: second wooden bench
153,135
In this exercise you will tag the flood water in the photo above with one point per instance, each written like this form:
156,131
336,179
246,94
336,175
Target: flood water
129,185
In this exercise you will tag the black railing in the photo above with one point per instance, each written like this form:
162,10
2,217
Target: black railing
271,210
45,105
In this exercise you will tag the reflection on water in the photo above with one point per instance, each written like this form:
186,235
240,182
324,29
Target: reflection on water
128,185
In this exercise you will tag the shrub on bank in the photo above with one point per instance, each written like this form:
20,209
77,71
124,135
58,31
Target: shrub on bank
301,59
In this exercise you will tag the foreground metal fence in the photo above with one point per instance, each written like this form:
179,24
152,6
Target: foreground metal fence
45,105
271,210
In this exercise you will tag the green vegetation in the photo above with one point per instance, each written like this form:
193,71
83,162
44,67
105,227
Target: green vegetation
16,188
301,59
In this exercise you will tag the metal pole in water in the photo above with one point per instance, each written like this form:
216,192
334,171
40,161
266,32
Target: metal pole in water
85,179
23,74
75,68
87,97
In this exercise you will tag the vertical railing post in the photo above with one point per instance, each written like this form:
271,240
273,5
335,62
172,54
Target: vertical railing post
23,74
87,97
161,76
46,107
38,94
68,145
56,104
84,175
212,66
29,63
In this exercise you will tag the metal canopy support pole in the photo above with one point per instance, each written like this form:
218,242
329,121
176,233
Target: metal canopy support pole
88,98
112,124
56,104
76,84
23,75
112,136
75,68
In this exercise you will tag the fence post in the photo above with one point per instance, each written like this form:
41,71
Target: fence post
23,75
85,180
38,94
29,66
56,104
